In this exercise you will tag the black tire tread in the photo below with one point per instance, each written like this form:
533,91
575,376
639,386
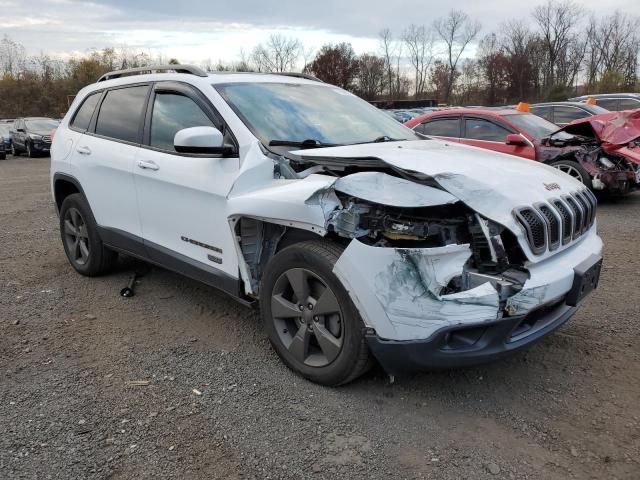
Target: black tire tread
330,252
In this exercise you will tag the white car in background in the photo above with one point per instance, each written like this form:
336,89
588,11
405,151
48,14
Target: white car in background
359,238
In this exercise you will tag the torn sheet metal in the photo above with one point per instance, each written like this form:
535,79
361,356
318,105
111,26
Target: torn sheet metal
552,280
397,291
488,182
378,187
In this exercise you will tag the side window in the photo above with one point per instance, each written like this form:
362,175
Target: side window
479,129
83,115
564,115
173,112
608,103
629,104
445,127
544,112
120,114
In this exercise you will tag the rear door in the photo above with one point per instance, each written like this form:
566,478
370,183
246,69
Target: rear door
103,161
491,134
19,134
182,198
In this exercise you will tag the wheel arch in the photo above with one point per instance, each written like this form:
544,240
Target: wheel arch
259,240
63,186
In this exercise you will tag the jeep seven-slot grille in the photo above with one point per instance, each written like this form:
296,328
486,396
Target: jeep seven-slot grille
546,225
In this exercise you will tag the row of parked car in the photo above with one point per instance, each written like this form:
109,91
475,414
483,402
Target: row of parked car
29,135
598,147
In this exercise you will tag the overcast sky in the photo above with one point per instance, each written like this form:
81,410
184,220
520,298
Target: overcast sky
197,30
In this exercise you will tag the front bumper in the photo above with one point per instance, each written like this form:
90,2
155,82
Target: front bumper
460,346
40,146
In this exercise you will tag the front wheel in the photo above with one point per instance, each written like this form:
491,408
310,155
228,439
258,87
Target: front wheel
29,151
14,152
82,243
311,321
575,170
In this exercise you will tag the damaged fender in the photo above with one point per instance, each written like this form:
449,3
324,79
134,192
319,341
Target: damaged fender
398,290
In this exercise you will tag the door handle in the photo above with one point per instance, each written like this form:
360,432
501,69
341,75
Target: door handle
148,165
84,150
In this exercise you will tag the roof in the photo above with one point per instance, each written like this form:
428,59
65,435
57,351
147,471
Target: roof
491,112
567,103
605,95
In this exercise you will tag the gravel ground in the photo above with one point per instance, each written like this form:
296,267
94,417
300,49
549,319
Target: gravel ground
180,381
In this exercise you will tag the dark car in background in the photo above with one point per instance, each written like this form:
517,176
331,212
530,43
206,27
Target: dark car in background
32,135
614,102
563,113
5,140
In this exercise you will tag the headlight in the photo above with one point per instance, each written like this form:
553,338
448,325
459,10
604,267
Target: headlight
33,136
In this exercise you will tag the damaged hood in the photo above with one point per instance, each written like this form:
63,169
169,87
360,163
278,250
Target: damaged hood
491,183
614,128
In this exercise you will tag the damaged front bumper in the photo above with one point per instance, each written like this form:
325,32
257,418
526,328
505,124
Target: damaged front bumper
413,325
452,347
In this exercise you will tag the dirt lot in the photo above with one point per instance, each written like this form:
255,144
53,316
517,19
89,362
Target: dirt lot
70,346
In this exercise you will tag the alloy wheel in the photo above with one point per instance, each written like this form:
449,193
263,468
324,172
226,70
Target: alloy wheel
307,317
570,170
76,236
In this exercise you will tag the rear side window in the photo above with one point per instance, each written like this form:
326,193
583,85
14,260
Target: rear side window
120,114
608,103
564,115
171,113
85,112
629,104
446,127
544,112
478,129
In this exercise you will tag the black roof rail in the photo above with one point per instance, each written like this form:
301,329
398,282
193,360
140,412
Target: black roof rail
190,69
306,76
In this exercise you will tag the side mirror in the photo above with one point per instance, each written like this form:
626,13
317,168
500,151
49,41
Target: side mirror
205,140
515,140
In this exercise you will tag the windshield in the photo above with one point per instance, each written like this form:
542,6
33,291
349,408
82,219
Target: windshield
289,112
41,124
535,126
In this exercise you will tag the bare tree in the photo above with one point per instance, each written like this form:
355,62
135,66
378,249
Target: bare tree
457,31
392,54
557,22
371,75
278,54
12,57
419,43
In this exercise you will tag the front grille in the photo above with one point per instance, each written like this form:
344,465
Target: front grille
547,225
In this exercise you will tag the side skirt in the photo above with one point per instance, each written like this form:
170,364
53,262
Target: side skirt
141,249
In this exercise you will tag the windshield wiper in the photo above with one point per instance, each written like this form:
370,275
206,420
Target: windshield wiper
308,143
382,139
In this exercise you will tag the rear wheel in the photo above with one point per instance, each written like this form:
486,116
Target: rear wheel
310,318
82,244
575,170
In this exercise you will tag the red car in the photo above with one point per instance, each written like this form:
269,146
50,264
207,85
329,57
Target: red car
587,157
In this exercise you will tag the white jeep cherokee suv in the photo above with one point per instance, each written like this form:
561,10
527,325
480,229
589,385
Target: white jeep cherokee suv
359,238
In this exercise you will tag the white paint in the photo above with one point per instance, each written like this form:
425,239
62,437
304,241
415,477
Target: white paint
397,291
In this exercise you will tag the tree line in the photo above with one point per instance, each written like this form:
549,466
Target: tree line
557,50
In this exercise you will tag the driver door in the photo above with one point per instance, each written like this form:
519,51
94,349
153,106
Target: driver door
182,197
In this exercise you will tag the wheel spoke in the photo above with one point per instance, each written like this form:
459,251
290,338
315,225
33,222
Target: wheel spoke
84,251
69,228
326,304
75,217
299,346
329,344
282,308
76,248
298,279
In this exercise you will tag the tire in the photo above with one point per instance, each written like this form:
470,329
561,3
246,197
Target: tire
81,240
28,150
574,169
312,351
14,152
3,156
